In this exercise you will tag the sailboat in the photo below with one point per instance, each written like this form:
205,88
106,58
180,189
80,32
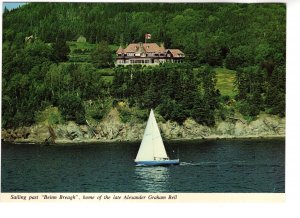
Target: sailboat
152,151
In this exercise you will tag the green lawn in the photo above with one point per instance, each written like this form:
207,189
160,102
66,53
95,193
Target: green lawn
108,79
80,51
107,74
106,71
225,81
81,45
85,46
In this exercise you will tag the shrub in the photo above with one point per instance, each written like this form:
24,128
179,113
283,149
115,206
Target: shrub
51,115
72,108
97,109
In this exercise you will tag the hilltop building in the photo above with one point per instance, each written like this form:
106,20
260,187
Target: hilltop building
147,54
81,39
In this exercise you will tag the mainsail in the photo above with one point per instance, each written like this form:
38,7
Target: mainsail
152,146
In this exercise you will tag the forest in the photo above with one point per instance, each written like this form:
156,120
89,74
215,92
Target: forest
40,78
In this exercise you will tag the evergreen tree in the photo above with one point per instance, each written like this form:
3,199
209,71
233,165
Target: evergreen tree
61,50
102,55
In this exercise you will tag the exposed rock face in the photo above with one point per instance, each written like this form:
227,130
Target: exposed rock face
196,130
265,125
12,135
70,131
189,129
74,131
112,129
38,133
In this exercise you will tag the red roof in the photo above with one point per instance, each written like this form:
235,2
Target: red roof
120,50
147,47
176,53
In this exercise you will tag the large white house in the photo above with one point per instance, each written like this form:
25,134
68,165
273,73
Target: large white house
147,53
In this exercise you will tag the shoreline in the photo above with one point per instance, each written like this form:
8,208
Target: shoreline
111,130
97,141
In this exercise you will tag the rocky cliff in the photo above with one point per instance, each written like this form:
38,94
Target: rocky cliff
112,129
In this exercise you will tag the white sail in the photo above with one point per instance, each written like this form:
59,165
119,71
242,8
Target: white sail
152,146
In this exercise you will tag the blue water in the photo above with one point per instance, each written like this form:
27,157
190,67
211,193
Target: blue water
206,166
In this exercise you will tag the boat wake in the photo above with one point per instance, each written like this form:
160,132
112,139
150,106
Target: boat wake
141,165
189,164
211,163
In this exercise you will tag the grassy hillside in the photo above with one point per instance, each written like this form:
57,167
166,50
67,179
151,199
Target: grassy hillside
107,74
225,81
80,51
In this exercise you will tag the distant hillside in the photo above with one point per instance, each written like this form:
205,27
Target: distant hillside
234,64
206,32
